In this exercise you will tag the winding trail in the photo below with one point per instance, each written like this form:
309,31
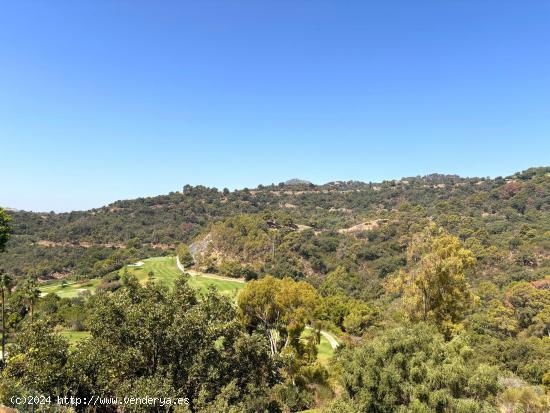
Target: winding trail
330,338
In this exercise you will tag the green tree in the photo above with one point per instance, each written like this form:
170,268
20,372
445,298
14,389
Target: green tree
172,340
273,305
6,284
341,281
527,301
333,308
184,255
541,325
280,309
5,281
487,292
134,243
496,319
435,287
5,229
413,369
523,399
31,293
360,316
37,363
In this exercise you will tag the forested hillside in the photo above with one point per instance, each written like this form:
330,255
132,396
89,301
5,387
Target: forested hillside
437,288
312,229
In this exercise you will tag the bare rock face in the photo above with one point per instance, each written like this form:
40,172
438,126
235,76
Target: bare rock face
200,247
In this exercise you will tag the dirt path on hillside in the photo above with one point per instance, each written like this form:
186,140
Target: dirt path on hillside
330,338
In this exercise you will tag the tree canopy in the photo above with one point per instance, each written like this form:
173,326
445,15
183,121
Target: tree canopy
5,229
436,287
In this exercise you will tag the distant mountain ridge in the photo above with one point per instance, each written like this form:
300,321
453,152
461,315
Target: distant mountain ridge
296,181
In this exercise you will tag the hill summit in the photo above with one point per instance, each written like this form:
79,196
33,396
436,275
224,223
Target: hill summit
296,181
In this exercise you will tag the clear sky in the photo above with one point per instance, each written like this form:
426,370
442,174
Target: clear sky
106,100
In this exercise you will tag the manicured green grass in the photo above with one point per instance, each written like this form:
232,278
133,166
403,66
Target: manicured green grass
324,349
165,271
73,337
70,290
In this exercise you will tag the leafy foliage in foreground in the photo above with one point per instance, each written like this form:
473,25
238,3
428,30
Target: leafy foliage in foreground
150,340
413,369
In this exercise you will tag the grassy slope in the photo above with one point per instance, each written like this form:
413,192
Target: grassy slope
74,337
324,349
71,290
165,272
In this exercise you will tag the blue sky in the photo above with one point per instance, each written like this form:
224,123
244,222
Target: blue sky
106,100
